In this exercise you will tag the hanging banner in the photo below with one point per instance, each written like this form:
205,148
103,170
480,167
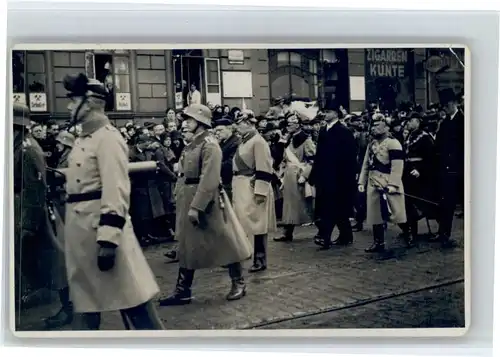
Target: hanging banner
19,98
123,102
389,75
38,102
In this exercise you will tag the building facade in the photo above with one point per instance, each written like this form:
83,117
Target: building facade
144,84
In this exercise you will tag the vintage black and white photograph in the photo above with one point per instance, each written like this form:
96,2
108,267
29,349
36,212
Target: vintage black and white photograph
239,188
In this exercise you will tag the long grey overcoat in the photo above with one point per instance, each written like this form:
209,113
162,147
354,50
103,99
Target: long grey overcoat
220,239
99,161
383,166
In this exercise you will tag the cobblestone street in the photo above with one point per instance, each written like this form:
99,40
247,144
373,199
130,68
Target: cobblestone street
301,280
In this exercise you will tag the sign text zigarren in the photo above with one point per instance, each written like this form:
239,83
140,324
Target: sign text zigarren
387,63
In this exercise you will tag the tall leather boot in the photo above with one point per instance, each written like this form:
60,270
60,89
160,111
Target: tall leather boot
144,317
378,245
238,287
288,234
182,292
65,314
259,256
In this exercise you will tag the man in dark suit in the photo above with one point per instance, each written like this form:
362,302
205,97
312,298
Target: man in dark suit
450,143
224,130
334,176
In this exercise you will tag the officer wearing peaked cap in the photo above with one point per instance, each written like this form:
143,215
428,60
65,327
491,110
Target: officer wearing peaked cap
381,177
208,233
106,268
30,209
253,195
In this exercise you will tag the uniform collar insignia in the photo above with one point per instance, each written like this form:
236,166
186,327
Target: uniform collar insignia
95,122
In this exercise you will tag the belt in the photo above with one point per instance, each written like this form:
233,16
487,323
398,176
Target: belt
243,173
82,197
191,180
414,159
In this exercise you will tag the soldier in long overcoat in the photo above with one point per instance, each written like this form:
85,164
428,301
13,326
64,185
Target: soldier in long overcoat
31,243
64,144
208,232
253,196
298,151
417,177
106,268
381,177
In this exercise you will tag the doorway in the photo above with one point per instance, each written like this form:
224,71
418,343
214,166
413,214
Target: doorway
103,65
188,70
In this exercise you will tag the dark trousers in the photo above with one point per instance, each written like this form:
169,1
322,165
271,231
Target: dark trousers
142,317
141,226
412,217
326,224
360,207
447,203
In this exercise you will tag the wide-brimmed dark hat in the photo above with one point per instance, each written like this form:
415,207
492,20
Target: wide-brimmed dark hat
81,86
448,95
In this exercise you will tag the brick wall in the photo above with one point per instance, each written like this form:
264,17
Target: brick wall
256,62
64,62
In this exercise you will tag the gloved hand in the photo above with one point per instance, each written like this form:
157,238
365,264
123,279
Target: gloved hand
301,180
391,189
106,256
194,216
108,239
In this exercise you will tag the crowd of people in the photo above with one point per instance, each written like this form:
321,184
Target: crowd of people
331,169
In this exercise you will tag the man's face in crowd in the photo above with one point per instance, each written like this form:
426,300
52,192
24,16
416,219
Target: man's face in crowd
413,124
53,130
159,129
38,132
223,132
243,127
330,115
379,128
171,126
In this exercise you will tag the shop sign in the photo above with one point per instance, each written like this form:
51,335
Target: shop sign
123,102
387,62
434,64
236,56
38,102
19,98
389,76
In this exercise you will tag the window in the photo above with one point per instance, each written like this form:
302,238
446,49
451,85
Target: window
18,76
294,72
112,69
64,63
29,79
212,81
152,82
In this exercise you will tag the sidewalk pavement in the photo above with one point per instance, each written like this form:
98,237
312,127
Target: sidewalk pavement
299,280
